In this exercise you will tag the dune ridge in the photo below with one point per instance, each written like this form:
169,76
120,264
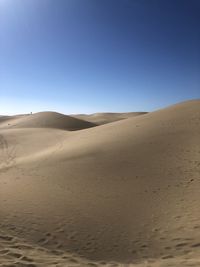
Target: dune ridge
125,192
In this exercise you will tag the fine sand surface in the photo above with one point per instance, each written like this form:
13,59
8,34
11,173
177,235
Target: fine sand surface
125,193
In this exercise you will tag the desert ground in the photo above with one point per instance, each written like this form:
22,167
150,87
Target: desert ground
106,189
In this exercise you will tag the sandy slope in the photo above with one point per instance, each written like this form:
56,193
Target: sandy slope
103,118
45,120
123,192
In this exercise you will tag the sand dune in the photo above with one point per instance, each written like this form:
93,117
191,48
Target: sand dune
122,192
103,118
6,119
45,120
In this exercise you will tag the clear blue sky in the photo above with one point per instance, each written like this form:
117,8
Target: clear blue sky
84,56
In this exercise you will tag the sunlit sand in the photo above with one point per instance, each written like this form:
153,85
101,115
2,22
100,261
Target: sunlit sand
101,190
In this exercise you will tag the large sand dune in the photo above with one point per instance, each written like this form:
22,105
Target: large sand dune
122,192
45,120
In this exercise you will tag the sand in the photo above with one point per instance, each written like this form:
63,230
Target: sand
82,194
103,118
45,120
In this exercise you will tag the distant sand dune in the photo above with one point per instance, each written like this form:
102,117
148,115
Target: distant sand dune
103,118
46,120
122,192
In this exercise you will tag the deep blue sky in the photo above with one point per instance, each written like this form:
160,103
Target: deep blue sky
84,56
